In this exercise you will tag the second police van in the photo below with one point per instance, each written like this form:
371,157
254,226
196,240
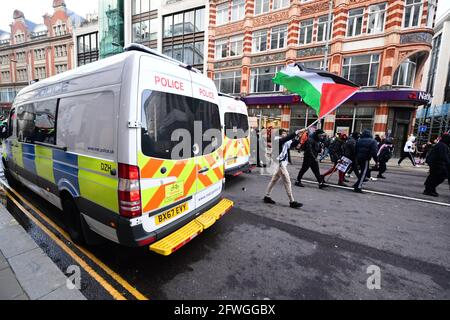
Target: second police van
236,139
129,148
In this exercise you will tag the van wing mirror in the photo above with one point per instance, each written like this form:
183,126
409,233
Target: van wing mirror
3,131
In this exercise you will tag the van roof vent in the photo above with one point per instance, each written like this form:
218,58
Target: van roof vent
142,48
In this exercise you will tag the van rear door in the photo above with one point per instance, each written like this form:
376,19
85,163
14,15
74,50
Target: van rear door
168,169
209,139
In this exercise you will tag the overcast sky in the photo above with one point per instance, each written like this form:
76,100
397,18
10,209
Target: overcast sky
35,9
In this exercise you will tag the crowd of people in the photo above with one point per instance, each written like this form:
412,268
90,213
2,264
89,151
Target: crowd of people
353,154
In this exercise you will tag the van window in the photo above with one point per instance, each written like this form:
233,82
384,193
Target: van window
25,122
236,125
11,122
164,113
45,118
86,124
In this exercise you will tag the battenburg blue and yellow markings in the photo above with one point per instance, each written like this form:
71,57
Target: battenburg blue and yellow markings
81,176
113,283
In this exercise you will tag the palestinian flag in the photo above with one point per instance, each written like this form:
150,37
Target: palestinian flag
323,91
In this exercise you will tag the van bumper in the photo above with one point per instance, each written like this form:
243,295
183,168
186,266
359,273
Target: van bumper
235,171
137,237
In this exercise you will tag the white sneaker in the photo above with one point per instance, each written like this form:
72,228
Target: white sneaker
373,179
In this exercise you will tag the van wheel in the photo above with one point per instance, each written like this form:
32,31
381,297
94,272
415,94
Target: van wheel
72,220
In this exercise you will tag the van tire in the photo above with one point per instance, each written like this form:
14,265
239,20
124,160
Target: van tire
72,220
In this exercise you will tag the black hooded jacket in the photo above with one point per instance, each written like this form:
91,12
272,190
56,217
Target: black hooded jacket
350,148
366,147
312,147
438,155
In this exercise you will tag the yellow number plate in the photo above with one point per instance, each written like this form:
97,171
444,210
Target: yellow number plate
231,161
172,213
175,190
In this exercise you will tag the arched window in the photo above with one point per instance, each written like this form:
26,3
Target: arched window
406,73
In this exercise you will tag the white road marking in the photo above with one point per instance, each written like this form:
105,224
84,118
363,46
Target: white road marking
384,194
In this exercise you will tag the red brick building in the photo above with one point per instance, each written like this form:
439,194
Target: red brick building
33,51
380,44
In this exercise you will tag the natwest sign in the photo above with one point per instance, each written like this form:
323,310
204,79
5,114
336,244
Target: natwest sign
424,96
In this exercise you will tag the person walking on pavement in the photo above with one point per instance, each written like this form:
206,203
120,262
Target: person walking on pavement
350,152
286,142
311,150
408,151
439,162
384,154
366,149
336,153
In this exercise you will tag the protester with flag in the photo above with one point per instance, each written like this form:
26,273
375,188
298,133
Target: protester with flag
321,90
286,142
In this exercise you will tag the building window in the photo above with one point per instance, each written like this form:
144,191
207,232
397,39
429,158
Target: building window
221,48
306,31
87,46
39,54
59,29
314,64
40,73
6,76
434,62
184,23
278,4
322,29
261,6
447,88
355,22
432,5
222,13
236,45
20,57
146,30
259,41
140,6
184,37
362,70
261,79
405,74
237,10
61,51
22,74
377,16
19,37
228,82
4,60
412,13
60,68
278,37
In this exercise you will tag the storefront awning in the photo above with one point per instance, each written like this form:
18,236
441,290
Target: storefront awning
412,96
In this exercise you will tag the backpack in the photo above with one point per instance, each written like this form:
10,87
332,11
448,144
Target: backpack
386,154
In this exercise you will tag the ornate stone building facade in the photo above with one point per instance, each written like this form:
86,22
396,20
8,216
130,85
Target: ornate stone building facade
33,51
382,45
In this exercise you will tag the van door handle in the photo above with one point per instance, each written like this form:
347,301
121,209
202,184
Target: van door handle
203,170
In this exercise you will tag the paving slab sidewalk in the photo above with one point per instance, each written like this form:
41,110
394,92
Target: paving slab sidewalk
26,272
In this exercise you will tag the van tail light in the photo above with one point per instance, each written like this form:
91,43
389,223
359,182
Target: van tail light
129,191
